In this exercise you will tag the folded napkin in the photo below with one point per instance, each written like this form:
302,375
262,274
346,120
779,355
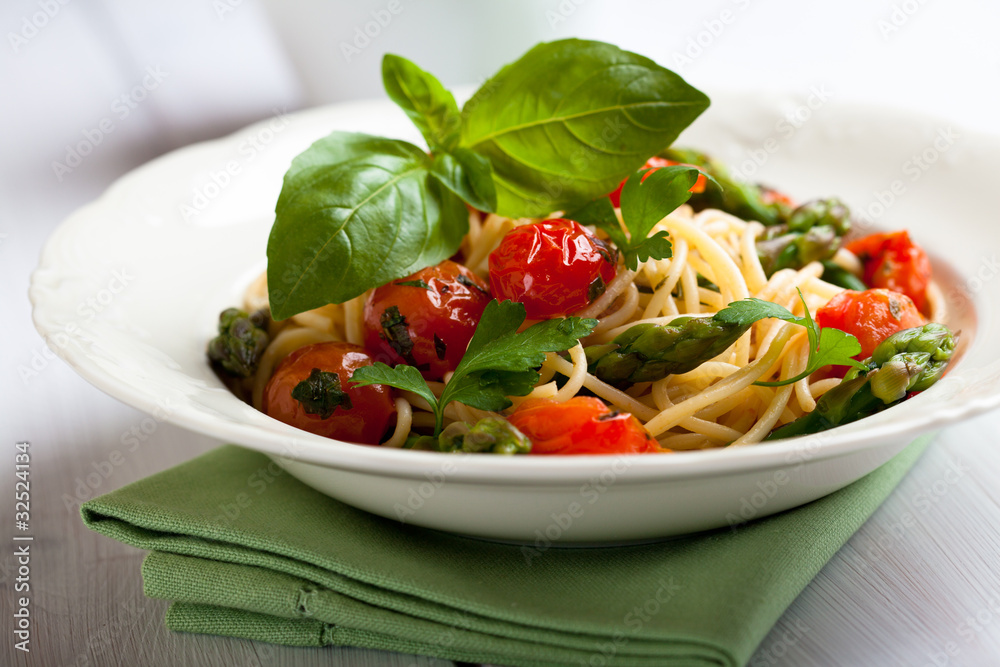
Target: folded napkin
246,553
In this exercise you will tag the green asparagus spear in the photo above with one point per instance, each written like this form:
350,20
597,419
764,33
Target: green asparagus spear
489,435
812,233
241,342
909,360
841,277
649,352
744,200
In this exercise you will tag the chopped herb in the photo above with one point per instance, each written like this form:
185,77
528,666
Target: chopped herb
707,284
596,289
414,283
320,394
440,347
471,284
395,333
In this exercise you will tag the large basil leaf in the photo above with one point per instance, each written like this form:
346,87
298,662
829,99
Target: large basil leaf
428,104
356,212
468,175
572,118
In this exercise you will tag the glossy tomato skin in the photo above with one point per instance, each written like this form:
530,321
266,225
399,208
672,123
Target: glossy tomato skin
653,164
440,307
581,425
891,260
870,316
372,409
554,267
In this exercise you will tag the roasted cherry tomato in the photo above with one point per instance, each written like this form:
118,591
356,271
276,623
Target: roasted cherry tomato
426,320
893,261
770,197
581,425
554,267
653,164
310,389
870,316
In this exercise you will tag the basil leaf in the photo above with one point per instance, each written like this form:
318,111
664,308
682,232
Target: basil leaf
428,104
469,176
570,119
601,213
355,212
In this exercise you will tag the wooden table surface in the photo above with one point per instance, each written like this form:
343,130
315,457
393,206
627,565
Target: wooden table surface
918,585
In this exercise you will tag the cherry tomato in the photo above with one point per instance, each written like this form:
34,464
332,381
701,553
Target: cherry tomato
653,164
870,316
554,267
581,425
893,261
770,197
426,320
363,414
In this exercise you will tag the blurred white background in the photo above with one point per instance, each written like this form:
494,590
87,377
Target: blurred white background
134,80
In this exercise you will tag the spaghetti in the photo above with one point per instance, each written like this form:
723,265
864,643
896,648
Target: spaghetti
715,262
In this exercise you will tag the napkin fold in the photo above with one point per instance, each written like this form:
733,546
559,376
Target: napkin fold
244,552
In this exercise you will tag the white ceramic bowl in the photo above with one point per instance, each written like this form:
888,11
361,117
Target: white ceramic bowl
129,288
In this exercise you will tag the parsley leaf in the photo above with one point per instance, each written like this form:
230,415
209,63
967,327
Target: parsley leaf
747,311
402,377
498,363
827,347
647,197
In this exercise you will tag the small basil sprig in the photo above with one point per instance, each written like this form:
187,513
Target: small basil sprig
551,131
498,363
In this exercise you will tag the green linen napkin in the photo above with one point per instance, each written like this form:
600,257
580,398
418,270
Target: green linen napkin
244,553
